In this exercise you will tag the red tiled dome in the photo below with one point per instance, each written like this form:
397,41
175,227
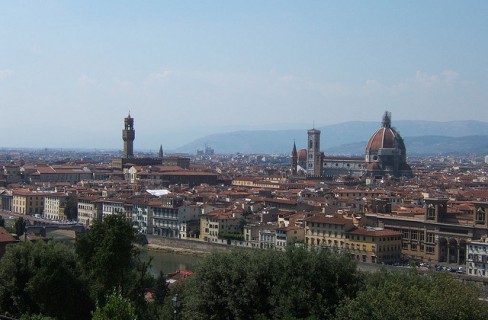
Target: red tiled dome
302,154
385,151
385,137
382,138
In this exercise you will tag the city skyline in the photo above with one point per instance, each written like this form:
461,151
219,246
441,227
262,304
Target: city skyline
70,71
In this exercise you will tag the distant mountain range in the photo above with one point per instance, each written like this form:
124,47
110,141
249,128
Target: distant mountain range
350,138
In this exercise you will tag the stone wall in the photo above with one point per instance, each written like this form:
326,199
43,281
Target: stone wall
195,245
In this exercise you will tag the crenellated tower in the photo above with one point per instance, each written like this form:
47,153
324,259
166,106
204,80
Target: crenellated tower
128,135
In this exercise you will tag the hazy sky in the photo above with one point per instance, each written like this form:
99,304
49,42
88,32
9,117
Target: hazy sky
70,71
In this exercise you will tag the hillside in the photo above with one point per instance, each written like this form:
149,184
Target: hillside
421,137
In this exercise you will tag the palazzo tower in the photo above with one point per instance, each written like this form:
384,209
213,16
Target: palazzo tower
128,135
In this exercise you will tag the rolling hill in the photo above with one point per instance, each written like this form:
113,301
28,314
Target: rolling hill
421,137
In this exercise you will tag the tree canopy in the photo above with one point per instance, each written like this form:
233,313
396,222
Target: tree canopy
42,278
116,307
55,281
71,209
107,254
270,284
400,295
19,226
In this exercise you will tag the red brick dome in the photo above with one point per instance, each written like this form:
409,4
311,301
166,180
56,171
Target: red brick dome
385,137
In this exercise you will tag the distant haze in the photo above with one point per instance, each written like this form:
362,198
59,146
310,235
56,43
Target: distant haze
70,71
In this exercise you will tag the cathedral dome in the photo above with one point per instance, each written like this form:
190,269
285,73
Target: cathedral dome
383,140
386,153
302,155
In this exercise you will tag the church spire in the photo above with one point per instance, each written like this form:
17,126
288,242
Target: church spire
160,154
294,160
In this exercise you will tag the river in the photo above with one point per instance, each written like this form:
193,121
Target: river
169,261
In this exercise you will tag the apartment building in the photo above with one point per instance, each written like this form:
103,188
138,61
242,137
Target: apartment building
374,245
217,224
477,258
54,205
327,231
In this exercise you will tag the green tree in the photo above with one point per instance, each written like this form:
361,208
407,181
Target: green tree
116,307
111,261
19,226
2,222
160,289
71,209
42,278
399,295
107,254
270,284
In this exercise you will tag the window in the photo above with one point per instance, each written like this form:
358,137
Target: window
406,234
414,235
480,215
430,212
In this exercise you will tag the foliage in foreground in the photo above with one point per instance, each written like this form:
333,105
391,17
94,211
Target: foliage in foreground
42,278
399,295
46,281
64,282
270,284
116,307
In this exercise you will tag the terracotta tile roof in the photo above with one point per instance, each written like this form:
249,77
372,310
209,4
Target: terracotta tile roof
328,219
374,232
6,237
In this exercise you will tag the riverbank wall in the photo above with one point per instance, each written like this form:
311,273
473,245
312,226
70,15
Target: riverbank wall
184,246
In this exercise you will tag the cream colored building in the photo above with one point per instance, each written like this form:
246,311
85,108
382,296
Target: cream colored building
89,210
327,231
215,224
54,205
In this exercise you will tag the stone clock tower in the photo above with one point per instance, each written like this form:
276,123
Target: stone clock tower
128,135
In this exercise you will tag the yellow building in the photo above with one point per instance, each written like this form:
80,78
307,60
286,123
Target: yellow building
374,245
27,202
327,231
